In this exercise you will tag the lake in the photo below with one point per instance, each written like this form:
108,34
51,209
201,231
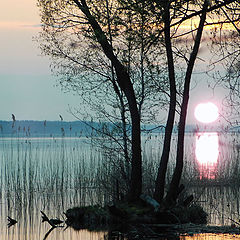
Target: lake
54,174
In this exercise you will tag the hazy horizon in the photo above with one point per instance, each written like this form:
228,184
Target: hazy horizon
28,88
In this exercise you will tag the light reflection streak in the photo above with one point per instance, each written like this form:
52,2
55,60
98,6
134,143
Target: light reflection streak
211,236
207,152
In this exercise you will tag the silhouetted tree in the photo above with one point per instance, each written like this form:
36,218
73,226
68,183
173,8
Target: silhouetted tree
140,51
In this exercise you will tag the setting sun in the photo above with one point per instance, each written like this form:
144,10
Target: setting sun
206,112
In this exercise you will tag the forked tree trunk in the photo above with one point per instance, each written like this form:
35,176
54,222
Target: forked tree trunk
161,176
174,185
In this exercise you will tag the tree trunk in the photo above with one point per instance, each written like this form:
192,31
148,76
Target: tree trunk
136,163
161,176
126,86
174,185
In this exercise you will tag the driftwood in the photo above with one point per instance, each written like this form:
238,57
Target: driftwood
48,232
54,222
150,202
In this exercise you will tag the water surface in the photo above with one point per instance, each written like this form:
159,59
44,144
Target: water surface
54,174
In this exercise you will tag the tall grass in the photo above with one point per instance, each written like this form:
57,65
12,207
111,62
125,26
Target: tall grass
45,173
54,174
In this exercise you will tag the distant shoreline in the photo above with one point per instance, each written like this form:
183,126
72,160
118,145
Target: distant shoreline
55,129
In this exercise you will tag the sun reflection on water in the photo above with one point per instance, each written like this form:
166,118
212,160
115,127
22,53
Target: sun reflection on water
211,236
207,152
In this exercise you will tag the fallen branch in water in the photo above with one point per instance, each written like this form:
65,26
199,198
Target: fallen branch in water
54,222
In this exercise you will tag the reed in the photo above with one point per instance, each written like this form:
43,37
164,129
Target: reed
59,173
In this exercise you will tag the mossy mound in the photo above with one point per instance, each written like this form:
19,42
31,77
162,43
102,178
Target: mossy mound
137,213
90,217
96,217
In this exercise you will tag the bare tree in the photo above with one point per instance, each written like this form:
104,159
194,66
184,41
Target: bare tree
224,68
189,56
97,43
129,54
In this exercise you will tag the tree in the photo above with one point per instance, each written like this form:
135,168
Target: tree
225,48
63,19
172,193
202,9
125,43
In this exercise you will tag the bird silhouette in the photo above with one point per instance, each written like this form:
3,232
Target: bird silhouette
61,117
13,117
53,221
14,120
11,221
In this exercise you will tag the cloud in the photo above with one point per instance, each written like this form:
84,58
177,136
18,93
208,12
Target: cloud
18,25
31,25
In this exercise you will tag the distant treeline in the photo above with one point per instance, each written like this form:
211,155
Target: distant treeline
26,128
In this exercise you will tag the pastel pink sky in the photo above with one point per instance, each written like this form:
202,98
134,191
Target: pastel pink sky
26,84
19,54
18,11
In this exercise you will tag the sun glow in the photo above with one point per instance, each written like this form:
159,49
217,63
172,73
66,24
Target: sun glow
206,112
207,153
207,148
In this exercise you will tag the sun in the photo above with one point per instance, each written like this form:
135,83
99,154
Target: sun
206,112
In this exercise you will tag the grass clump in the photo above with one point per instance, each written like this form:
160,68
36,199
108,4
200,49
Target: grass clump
191,214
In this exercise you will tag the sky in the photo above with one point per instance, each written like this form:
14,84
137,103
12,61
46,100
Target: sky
27,87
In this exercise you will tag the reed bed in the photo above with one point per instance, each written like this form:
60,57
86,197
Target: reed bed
54,174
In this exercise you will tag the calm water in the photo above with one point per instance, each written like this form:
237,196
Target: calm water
207,236
56,174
